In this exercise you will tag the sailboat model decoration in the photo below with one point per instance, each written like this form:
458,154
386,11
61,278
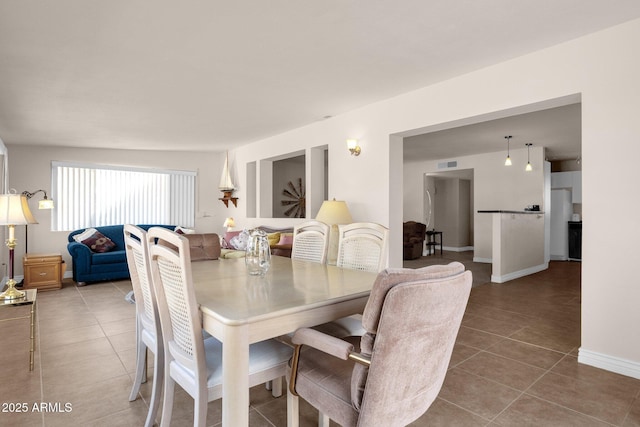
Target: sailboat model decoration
226,185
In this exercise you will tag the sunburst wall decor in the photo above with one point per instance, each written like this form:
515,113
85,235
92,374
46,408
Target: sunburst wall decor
297,200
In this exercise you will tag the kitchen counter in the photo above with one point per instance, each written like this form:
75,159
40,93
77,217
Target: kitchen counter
513,212
517,244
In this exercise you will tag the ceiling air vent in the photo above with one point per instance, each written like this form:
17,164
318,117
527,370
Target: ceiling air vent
447,165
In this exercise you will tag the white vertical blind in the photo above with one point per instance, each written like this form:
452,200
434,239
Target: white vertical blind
95,195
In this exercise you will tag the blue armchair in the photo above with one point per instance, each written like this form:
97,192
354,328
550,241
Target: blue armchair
89,266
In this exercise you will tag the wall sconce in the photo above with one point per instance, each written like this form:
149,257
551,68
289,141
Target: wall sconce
229,223
354,148
507,162
528,168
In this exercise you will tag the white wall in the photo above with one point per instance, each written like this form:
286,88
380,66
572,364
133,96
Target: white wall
600,70
495,187
30,170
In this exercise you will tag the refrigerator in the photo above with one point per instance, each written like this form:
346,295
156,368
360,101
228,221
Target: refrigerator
561,210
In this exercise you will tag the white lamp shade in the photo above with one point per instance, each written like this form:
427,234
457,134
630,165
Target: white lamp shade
14,210
334,212
229,222
45,204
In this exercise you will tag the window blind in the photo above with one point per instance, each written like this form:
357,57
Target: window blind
97,195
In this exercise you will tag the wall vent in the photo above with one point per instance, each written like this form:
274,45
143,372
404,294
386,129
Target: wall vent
447,165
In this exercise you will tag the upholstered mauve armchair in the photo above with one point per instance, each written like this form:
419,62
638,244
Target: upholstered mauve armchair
391,375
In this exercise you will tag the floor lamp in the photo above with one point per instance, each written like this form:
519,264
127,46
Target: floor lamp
45,203
14,210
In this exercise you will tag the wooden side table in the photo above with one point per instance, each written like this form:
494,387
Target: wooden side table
43,271
432,241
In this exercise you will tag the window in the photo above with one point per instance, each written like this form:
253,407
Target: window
96,195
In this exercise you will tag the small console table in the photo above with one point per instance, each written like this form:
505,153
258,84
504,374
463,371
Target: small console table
28,299
432,241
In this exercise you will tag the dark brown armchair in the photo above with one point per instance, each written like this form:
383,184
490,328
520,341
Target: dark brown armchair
413,239
391,375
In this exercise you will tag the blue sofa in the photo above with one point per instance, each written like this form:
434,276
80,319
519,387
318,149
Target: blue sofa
95,267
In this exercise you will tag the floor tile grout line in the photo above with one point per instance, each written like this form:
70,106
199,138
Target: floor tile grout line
464,409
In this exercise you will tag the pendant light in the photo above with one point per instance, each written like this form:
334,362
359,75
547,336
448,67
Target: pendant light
528,168
507,162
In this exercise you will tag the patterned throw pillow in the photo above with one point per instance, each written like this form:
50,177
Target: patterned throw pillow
240,241
184,230
226,241
95,240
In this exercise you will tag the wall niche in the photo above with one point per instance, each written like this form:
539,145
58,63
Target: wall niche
289,188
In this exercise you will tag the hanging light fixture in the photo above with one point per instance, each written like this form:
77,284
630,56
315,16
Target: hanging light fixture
507,162
528,168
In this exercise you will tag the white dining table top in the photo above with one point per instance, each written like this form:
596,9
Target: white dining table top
227,292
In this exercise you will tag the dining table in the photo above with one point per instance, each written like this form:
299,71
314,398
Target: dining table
240,309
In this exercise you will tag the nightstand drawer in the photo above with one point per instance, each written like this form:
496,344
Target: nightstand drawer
42,271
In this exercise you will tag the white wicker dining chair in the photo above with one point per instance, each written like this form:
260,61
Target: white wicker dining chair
362,246
191,361
310,241
148,332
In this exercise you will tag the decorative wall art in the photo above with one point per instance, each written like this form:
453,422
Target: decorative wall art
296,200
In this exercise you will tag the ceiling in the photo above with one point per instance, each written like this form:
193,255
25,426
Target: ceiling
210,74
557,129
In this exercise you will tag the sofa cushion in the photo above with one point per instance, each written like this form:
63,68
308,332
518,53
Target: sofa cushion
95,240
285,239
273,238
112,257
203,246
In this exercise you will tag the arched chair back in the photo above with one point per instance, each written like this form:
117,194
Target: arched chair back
362,246
310,241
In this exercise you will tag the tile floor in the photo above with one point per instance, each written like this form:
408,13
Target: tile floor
514,363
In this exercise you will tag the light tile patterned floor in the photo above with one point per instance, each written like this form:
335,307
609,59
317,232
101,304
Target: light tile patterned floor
514,364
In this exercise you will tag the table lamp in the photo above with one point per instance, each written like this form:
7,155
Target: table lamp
334,212
229,223
14,210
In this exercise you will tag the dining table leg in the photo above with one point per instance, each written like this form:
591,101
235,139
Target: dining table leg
235,376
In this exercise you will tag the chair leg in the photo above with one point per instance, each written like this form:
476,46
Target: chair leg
323,420
276,387
200,409
140,370
293,408
158,380
167,400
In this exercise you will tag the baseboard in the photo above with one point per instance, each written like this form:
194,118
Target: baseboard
461,249
519,273
609,363
483,260
558,257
